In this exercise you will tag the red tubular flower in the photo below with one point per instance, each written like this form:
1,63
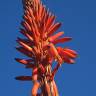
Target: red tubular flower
67,54
24,78
39,45
23,61
52,38
62,40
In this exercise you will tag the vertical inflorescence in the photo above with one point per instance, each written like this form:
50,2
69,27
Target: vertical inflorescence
39,45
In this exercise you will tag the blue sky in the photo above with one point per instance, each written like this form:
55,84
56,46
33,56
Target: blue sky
78,19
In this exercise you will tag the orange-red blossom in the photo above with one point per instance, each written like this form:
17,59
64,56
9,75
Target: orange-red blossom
39,45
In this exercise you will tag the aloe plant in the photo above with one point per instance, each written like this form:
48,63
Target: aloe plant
39,45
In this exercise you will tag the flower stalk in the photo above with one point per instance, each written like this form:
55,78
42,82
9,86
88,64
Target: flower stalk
39,45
